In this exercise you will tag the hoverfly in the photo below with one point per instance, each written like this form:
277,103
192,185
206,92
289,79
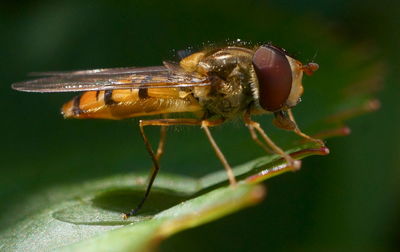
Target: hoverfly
215,84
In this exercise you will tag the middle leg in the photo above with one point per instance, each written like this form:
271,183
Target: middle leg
218,152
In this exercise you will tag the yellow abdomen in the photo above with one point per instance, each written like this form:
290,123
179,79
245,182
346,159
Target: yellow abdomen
126,103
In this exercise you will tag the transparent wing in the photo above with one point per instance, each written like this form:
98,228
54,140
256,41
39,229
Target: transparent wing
104,71
112,78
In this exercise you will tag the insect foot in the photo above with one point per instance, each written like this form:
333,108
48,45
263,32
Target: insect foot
295,165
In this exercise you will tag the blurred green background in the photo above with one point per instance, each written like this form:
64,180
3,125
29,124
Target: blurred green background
348,200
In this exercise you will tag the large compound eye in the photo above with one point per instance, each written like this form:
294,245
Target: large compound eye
274,77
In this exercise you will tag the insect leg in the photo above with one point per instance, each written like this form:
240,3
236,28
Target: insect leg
295,164
153,173
254,136
161,143
221,157
155,157
300,133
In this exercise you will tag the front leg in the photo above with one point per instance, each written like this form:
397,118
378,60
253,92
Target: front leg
254,136
297,130
252,125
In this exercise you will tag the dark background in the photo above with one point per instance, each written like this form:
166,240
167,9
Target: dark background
347,200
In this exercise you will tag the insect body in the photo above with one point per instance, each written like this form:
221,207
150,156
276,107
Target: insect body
216,85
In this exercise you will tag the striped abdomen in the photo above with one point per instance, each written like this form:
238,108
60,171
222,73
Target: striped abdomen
125,103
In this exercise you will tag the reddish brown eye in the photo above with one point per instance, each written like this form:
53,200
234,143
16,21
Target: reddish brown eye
274,77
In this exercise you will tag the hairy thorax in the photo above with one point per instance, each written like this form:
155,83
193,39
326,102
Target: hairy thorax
230,71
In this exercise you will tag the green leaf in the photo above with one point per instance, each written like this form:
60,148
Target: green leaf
87,216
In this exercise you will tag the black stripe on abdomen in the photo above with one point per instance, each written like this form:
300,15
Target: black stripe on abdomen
143,93
108,100
76,102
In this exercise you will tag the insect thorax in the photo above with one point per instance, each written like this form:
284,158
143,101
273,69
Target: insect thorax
230,71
